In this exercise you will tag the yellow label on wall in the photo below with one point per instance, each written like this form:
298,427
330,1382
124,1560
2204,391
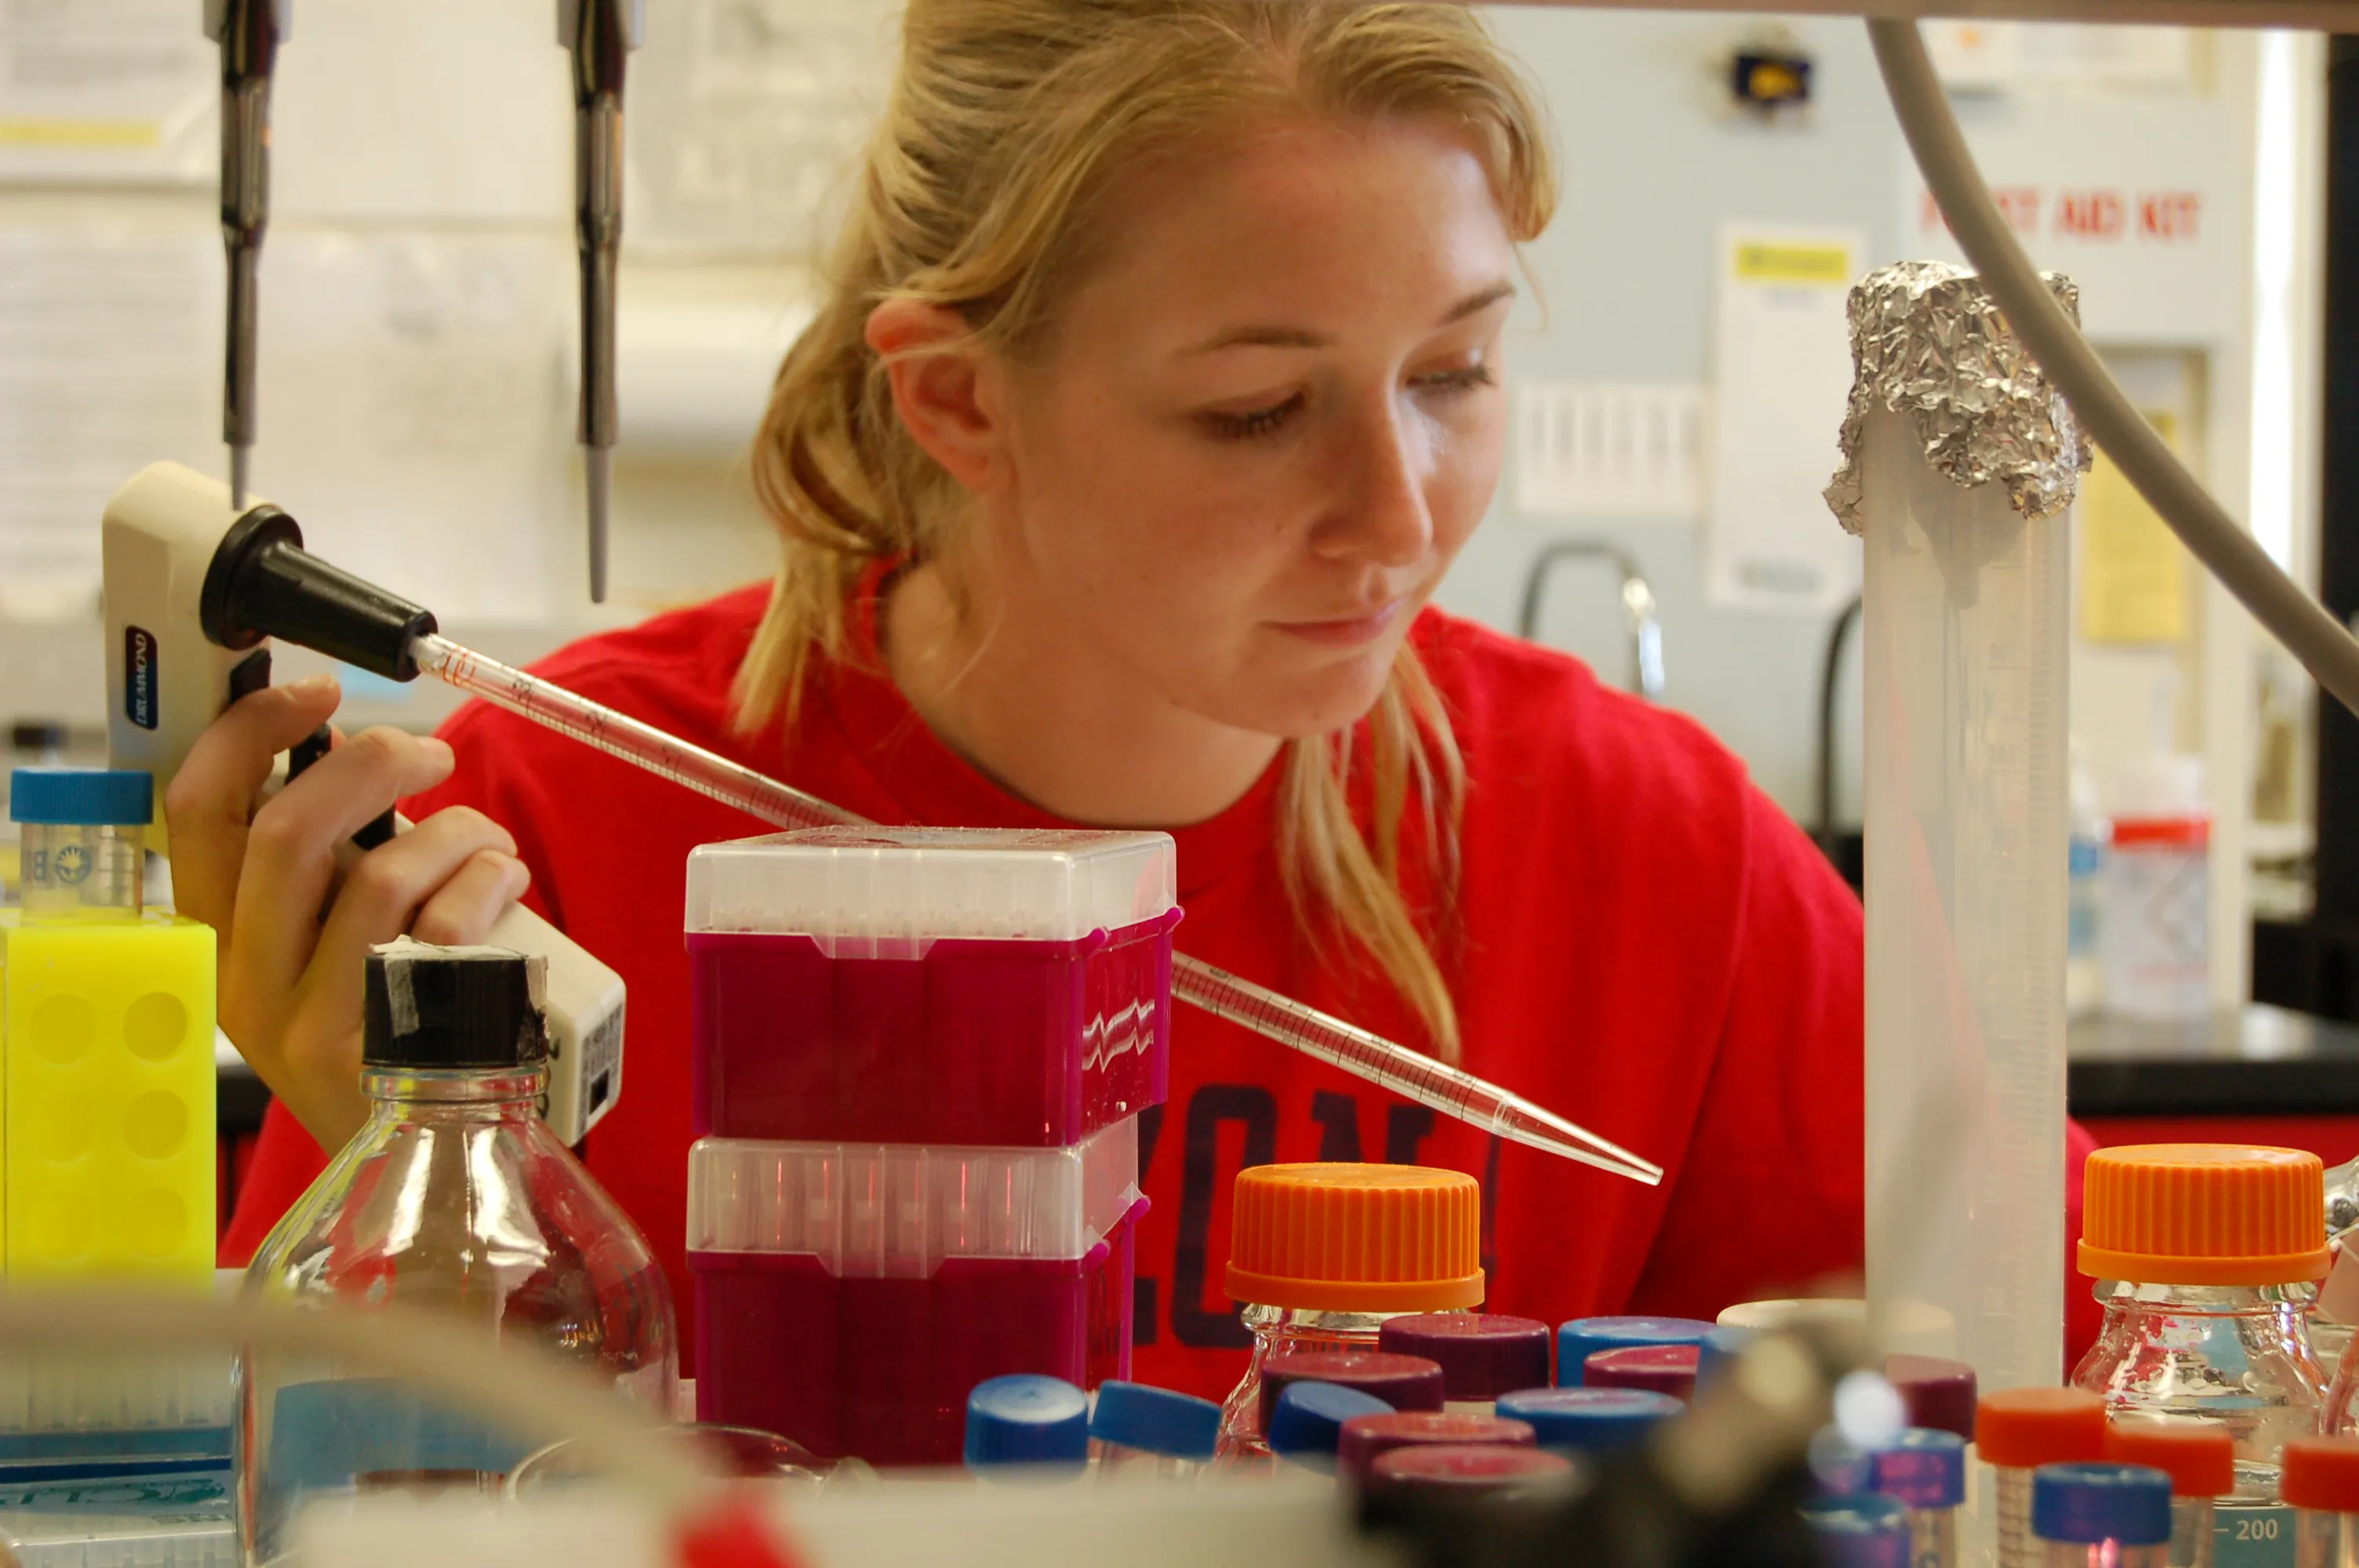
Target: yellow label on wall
1769,262
112,134
2133,569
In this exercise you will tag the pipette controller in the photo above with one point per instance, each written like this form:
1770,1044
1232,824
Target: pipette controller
1407,1073
598,35
232,580
192,584
249,33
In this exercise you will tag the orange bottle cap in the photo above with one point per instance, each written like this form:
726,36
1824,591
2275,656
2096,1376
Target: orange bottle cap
2199,1457
2016,1429
2204,1214
2321,1472
1350,1237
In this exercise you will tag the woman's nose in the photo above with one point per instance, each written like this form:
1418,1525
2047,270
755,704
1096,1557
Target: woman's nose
1379,512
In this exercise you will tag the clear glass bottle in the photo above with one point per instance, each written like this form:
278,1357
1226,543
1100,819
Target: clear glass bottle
2236,1354
454,1197
1328,1252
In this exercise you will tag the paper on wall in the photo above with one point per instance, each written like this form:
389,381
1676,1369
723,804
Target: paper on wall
1781,376
110,358
97,91
2133,569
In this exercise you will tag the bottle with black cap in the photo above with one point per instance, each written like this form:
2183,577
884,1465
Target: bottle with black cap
454,1197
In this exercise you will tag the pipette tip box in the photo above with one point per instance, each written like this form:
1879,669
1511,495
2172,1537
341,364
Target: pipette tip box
849,1296
934,986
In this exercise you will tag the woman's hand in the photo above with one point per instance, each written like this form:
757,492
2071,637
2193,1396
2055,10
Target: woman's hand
293,933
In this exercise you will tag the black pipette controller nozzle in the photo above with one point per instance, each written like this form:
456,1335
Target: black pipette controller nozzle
262,583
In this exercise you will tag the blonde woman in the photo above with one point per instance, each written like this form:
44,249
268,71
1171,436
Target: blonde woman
1159,383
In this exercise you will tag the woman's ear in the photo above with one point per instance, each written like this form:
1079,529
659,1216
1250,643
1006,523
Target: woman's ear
944,389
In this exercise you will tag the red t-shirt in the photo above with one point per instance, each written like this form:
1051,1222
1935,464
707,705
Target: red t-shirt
1645,944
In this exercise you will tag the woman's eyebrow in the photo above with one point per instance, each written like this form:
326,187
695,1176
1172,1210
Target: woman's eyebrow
1277,337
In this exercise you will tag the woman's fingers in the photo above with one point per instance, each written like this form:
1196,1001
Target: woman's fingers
464,909
290,852
210,802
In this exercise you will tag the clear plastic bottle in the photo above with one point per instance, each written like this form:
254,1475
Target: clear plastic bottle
2017,1431
2155,930
1325,1254
454,1197
2231,1349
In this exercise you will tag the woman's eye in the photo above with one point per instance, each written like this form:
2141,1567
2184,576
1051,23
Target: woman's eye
1465,378
1256,422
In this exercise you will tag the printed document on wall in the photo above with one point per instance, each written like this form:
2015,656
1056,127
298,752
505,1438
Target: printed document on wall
1781,375
104,92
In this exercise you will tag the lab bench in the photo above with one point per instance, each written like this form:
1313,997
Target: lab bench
2261,1074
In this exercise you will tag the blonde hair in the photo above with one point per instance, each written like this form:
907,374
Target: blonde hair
1006,117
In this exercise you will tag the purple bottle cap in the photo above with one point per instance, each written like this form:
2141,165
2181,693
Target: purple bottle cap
1404,1382
1366,1436
1659,1368
1481,1354
1469,1469
1937,1392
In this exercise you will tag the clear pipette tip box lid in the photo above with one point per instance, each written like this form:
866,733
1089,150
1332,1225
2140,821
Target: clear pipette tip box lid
888,893
929,985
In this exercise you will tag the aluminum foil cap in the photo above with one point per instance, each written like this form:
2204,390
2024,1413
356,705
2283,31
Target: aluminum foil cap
1928,340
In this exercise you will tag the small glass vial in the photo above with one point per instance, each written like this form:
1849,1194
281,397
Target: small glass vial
1306,1425
1469,1474
1400,1382
1135,1427
2018,1430
1481,1354
2321,1485
1029,1425
2100,1516
1861,1530
1661,1369
1935,1390
2199,1457
1325,1254
455,1198
1588,1421
1583,1337
1925,1469
2208,1256
85,843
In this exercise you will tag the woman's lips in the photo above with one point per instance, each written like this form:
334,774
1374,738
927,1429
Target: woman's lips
1345,631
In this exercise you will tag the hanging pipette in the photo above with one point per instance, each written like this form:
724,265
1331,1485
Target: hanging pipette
1405,1072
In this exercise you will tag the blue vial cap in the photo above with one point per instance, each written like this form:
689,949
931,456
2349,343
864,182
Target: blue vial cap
1584,1337
1923,1467
2090,1503
1594,1421
1308,1420
1864,1531
1156,1421
1024,1418
82,796
1716,1351
1839,1468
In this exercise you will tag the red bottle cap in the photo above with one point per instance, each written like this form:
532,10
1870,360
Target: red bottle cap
1404,1382
1481,1354
1367,1436
2199,1457
1468,1469
1659,1368
2017,1429
1936,1391
2321,1472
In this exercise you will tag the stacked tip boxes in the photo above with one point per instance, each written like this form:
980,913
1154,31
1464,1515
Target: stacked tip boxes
920,1058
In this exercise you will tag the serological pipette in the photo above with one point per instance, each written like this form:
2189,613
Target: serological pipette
598,35
249,33
1407,1073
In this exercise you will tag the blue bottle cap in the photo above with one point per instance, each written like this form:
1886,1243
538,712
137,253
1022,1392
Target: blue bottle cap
1310,1417
1716,1351
1864,1532
1593,1421
1024,1418
2090,1503
1924,1467
1584,1337
1156,1421
1839,1468
85,796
